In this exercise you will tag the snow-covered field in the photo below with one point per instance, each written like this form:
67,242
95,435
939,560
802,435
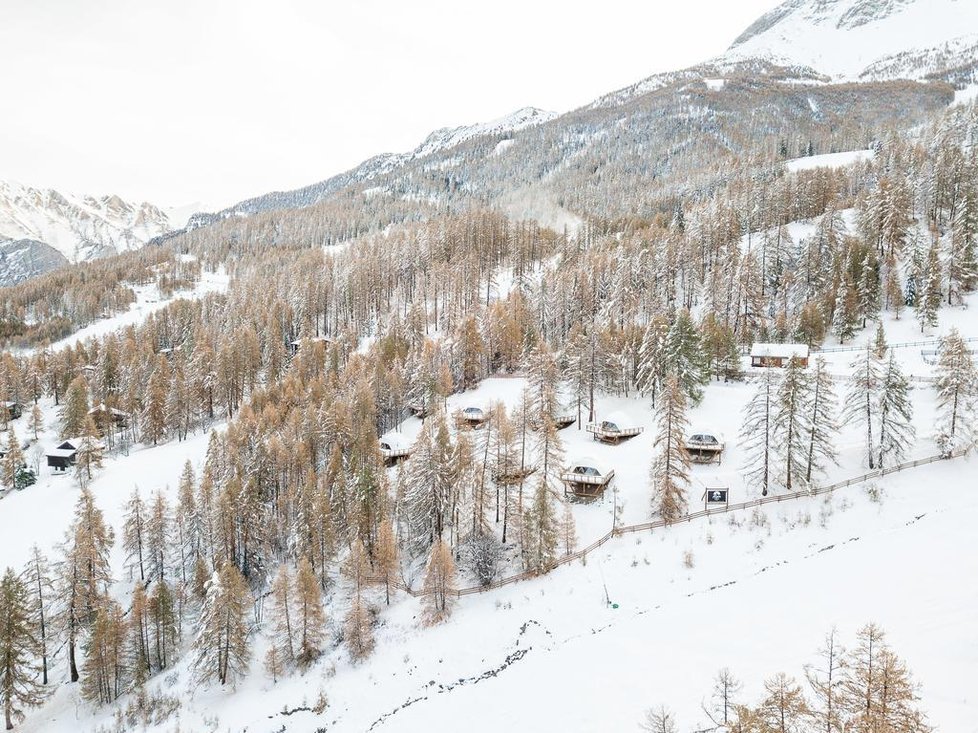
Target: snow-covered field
551,653
828,160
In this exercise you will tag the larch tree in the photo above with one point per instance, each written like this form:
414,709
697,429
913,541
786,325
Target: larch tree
282,612
439,585
821,425
12,461
825,679
134,534
659,720
19,650
83,574
106,673
724,698
783,709
158,534
895,415
757,431
669,474
540,533
88,457
37,576
75,408
957,391
221,649
35,423
386,560
310,618
358,633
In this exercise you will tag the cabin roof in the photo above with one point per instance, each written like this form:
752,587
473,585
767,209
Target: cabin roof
589,462
397,441
779,351
619,418
61,453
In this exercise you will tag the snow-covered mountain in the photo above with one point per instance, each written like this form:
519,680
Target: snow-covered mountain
864,39
78,227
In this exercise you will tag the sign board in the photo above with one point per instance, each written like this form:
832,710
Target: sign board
714,498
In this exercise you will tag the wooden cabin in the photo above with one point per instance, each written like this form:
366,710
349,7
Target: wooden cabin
294,346
106,417
473,417
586,478
11,410
63,456
778,355
614,428
394,447
704,447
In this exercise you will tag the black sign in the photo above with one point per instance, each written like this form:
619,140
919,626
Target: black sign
716,496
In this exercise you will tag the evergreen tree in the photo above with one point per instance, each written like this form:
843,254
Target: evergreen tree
685,358
928,299
957,390
310,619
105,673
669,474
791,415
540,530
37,576
895,415
821,422
757,431
134,534
19,650
36,423
862,400
221,649
783,709
12,461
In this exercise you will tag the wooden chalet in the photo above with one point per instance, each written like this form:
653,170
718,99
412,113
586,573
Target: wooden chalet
295,346
614,428
586,478
63,456
11,410
778,355
106,417
394,447
704,447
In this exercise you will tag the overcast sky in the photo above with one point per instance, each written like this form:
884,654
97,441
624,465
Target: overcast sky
213,101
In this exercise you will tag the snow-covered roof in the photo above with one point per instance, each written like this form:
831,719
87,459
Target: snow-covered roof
621,419
474,410
102,408
61,453
780,351
588,462
704,436
298,341
78,442
396,441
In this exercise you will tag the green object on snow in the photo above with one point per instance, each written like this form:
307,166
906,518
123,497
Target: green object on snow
614,605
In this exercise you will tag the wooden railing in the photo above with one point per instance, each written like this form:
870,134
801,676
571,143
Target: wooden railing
660,523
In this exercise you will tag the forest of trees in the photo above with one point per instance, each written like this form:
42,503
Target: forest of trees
294,499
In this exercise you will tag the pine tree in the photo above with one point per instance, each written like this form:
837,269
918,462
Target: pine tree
164,623
540,530
928,299
652,363
221,649
19,649
386,559
791,412
821,422
669,474
685,358
862,400
957,390
158,532
757,431
895,415
439,584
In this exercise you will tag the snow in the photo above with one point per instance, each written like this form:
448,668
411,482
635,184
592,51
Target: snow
828,160
148,300
965,96
783,351
715,85
848,38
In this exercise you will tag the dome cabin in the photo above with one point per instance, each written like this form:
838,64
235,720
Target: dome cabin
613,429
586,478
473,417
777,355
394,447
704,447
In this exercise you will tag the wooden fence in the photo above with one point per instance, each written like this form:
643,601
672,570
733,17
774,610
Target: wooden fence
904,345
659,523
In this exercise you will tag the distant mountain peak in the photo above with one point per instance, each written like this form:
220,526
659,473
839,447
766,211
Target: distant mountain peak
858,39
448,137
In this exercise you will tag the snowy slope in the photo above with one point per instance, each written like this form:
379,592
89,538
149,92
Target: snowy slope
447,137
853,39
79,227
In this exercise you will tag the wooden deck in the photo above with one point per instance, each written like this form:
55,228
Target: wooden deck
586,485
598,432
704,452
